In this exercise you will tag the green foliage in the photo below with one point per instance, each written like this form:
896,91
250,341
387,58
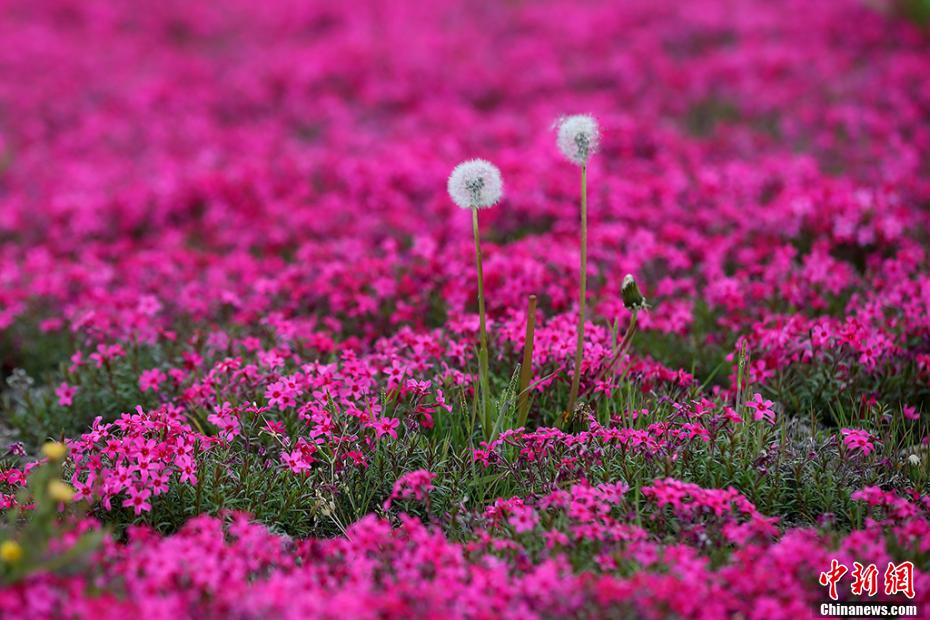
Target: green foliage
700,352
33,535
841,393
796,469
31,407
917,11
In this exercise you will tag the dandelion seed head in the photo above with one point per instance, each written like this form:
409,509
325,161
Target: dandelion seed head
476,184
578,137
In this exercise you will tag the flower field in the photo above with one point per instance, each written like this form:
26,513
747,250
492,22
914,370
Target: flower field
464,309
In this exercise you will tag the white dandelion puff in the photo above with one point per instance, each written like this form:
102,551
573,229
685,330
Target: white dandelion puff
578,138
475,184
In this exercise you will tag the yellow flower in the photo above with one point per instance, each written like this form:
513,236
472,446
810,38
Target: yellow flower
55,451
60,491
10,551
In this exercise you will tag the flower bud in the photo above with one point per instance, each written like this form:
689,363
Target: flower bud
11,552
60,491
55,451
632,297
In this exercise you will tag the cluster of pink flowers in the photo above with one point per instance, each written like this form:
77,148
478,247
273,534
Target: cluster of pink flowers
412,485
233,567
232,215
105,240
135,458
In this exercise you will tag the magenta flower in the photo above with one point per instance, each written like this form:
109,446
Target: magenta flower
105,353
137,500
523,519
412,485
301,457
226,419
65,394
187,468
295,461
274,427
282,394
385,426
151,379
858,440
761,409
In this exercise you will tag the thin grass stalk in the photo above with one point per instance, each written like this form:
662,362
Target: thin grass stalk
741,366
620,349
526,370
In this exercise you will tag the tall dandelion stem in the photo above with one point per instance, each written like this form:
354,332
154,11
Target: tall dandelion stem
483,333
578,138
477,184
582,291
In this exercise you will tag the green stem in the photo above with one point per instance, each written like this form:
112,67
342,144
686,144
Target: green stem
620,349
526,370
483,334
582,291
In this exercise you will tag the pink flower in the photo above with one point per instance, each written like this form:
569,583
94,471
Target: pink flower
555,538
151,379
730,415
65,394
395,374
300,458
412,485
137,500
858,439
441,401
761,409
187,469
523,519
105,353
281,394
385,426
274,427
226,419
